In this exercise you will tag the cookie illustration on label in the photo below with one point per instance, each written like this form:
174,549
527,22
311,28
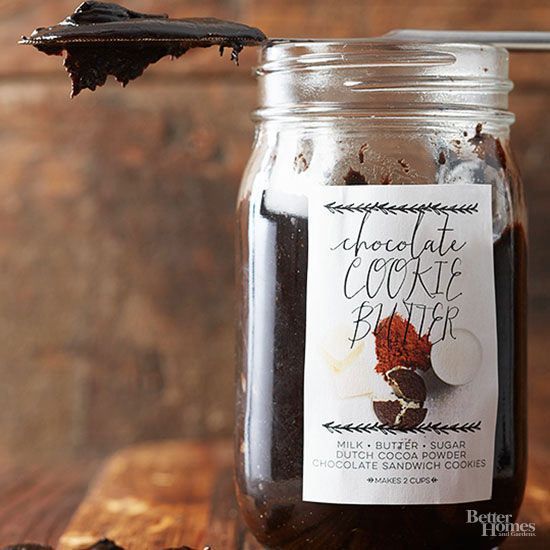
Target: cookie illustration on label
407,384
401,351
398,413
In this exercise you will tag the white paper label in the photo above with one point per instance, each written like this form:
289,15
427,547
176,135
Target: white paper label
401,382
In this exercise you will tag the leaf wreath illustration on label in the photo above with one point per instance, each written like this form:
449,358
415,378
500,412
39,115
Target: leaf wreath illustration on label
401,384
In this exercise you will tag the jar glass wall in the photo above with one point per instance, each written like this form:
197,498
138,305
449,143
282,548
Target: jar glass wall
357,113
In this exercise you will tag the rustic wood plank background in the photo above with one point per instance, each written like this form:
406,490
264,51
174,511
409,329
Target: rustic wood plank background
116,220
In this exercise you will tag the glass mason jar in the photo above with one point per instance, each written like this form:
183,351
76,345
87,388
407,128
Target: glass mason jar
361,120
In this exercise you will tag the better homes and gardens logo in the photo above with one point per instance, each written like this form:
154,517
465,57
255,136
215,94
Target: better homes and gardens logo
498,525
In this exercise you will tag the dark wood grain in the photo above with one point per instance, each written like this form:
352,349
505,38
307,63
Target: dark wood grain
116,260
36,502
156,496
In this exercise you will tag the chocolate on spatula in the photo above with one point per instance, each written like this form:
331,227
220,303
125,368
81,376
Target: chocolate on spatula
104,39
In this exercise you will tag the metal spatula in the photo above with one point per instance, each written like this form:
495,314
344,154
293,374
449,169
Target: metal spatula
511,40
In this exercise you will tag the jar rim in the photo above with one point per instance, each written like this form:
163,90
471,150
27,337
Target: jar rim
278,54
377,41
374,76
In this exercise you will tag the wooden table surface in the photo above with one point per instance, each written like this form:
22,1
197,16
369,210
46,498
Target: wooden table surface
163,495
185,492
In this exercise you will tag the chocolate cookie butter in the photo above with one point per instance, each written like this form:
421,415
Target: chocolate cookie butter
381,382
103,39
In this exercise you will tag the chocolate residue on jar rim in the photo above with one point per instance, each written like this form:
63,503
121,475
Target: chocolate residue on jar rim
362,151
405,165
103,39
300,163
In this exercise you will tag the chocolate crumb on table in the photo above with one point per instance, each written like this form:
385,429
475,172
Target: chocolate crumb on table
103,39
105,544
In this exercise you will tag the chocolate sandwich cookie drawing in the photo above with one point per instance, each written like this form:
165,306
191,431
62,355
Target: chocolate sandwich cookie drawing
401,351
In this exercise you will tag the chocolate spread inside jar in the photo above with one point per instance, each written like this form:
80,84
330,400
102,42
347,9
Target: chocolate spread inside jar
337,114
